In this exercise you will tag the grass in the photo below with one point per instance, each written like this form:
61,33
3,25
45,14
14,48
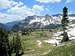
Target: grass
30,44
30,47
66,50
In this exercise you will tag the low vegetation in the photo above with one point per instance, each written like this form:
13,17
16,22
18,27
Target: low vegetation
28,44
65,50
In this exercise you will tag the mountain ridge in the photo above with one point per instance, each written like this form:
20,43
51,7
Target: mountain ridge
37,21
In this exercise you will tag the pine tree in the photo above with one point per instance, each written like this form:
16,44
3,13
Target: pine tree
3,42
64,23
18,46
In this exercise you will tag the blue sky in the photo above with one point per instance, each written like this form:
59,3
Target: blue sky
12,10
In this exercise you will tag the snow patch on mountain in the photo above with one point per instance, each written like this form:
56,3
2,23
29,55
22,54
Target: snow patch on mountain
40,21
46,20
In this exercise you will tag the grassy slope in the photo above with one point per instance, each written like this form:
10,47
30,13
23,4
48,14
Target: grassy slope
30,47
30,43
66,50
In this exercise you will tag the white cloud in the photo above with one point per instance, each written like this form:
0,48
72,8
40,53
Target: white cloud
21,10
17,11
48,1
7,3
68,1
4,18
38,8
25,11
15,14
4,3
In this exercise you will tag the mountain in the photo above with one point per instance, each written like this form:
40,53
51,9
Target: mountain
72,15
46,21
10,25
57,15
37,22
3,26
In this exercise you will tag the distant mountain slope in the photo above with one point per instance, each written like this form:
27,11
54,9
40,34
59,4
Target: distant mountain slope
3,26
35,22
72,15
11,24
46,21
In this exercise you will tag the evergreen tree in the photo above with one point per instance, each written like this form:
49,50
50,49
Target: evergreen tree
64,23
4,43
18,46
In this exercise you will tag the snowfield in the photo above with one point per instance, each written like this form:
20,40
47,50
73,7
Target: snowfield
52,41
56,39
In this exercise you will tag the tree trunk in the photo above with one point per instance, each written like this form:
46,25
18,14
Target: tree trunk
65,37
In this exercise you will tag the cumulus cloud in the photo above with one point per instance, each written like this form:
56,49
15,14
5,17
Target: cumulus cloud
7,3
38,8
17,11
48,1
68,1
4,18
22,10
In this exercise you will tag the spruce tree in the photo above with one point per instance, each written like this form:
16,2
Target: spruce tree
64,23
4,43
18,46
